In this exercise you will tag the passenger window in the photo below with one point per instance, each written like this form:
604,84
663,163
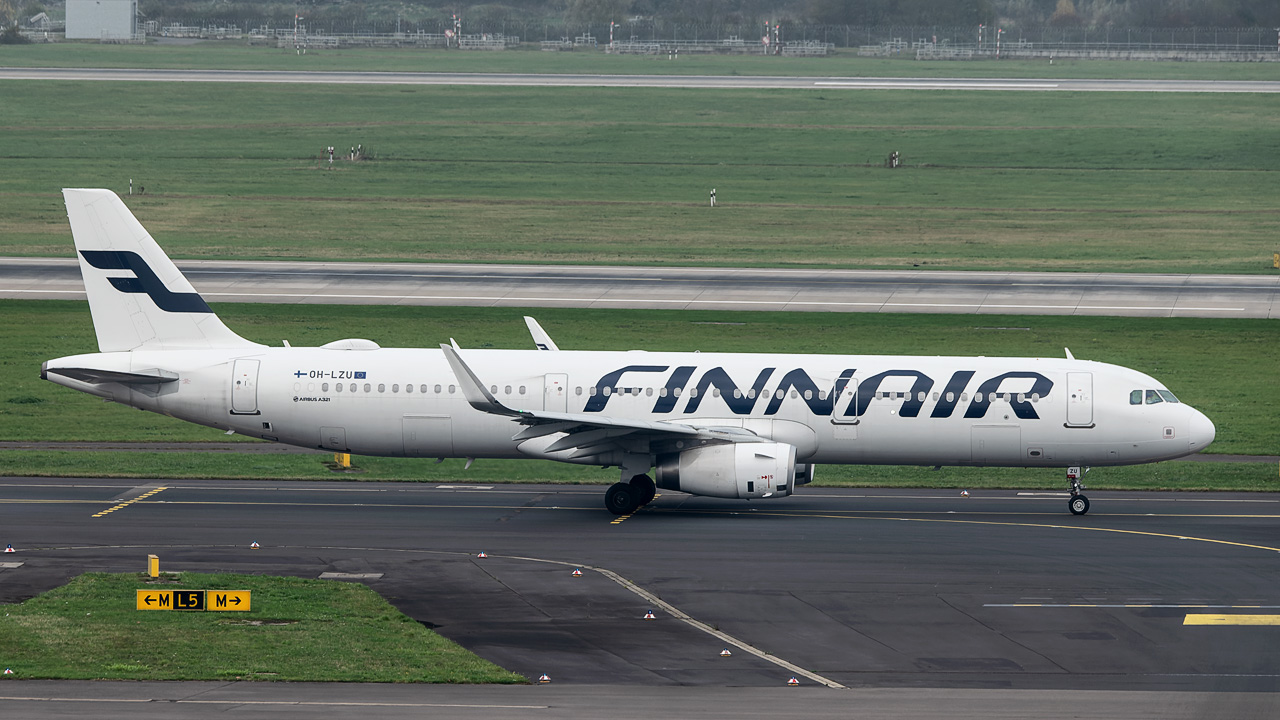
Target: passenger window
935,396
368,388
424,389
648,392
795,394
677,392
352,387
1168,396
522,389
1035,397
693,392
577,390
1153,397
977,397
964,397
382,387
451,389
808,394
920,396
1135,397
607,390
951,397
591,390
506,390
325,387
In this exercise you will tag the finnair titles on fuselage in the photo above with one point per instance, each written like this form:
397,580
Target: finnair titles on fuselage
733,425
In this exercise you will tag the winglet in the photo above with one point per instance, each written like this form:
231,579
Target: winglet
474,390
1069,355
540,337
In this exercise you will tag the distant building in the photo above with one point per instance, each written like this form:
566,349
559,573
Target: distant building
102,19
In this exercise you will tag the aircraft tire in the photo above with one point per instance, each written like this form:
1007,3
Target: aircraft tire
644,488
1079,504
621,499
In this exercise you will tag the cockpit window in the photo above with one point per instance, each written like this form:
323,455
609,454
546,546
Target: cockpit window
1153,397
1135,397
1168,396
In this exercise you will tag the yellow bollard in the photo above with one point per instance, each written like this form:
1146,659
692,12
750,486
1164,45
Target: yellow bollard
342,460
153,566
1275,260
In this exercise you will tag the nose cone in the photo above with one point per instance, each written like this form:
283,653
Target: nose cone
1202,431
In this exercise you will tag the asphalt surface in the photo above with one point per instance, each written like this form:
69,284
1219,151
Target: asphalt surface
912,602
663,81
1023,293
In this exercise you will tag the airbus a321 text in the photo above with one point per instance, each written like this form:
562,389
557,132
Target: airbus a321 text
727,425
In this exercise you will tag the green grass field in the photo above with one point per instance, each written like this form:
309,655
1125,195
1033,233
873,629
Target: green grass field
1052,181
238,55
1211,364
298,630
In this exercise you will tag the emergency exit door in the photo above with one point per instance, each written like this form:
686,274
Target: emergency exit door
244,387
1079,399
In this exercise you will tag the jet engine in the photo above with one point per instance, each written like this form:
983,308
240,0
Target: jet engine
737,470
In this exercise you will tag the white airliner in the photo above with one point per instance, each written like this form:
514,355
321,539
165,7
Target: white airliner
728,425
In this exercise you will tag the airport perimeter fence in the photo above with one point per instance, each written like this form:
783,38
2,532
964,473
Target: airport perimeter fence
653,35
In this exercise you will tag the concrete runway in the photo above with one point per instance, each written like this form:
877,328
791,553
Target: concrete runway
898,603
650,81
1025,293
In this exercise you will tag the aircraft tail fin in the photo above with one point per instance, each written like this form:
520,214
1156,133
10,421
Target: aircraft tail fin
138,297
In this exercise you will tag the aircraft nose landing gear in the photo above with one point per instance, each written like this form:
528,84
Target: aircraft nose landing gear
1079,504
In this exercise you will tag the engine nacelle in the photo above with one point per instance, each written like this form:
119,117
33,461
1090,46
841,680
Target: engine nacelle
737,470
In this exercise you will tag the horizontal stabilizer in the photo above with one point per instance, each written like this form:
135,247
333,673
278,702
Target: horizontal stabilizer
98,377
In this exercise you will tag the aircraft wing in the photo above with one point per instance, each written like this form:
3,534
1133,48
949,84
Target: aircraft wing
585,434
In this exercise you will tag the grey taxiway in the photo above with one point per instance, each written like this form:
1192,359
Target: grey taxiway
723,82
891,603
1020,293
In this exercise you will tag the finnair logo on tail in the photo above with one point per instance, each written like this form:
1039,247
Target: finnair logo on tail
144,281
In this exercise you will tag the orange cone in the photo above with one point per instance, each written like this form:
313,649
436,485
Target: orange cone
793,681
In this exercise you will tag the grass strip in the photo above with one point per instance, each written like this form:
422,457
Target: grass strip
298,630
1106,182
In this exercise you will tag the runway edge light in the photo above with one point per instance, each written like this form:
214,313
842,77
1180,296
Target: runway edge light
577,572
545,678
254,545
8,671
483,554
648,615
725,653
9,549
793,681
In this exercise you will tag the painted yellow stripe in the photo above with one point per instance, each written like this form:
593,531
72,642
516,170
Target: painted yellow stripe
1207,619
127,503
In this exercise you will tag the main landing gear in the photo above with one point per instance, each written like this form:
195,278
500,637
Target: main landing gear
1079,504
626,498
